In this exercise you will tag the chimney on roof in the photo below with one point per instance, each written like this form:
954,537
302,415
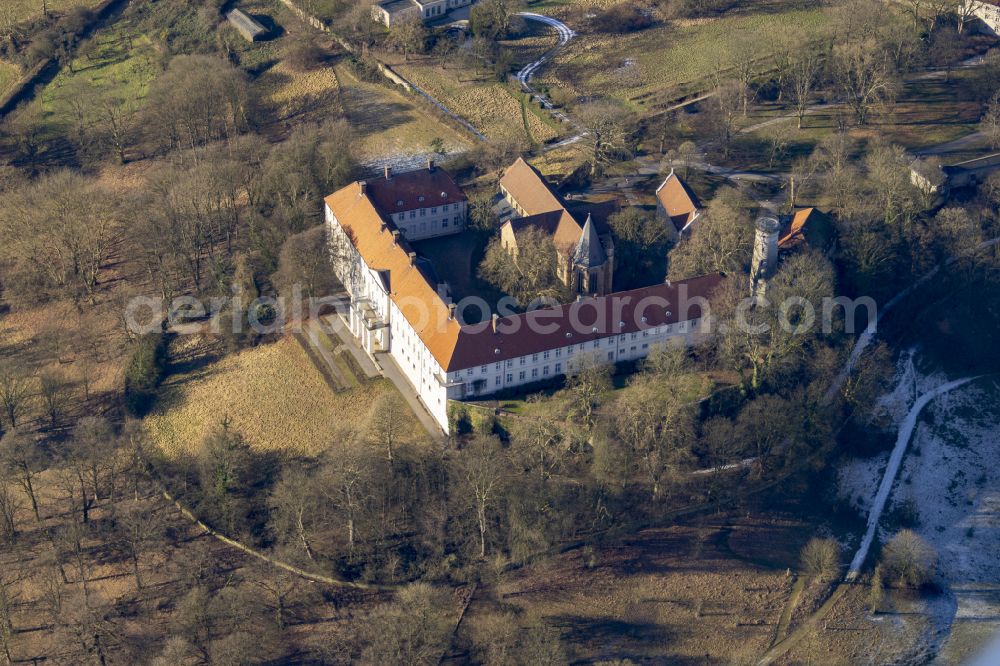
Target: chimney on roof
388,172
451,311
495,319
430,165
413,257
364,187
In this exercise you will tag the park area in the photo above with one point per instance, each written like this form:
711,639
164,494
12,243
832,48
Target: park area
674,57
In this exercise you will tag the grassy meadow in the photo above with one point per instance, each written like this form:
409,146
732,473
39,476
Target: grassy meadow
639,67
9,75
24,10
272,394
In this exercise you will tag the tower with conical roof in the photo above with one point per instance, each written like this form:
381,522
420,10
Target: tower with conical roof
592,262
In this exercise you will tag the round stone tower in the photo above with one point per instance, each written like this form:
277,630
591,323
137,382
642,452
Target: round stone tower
765,253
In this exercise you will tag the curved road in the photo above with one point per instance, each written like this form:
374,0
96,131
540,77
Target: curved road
565,34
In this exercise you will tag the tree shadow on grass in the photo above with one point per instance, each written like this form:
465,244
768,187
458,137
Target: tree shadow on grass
603,632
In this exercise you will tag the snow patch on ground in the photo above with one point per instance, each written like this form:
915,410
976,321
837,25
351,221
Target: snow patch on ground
951,474
955,484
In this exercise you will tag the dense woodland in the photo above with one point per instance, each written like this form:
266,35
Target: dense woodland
195,188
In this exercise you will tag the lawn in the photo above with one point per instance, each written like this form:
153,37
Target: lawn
272,394
643,68
23,10
120,61
9,74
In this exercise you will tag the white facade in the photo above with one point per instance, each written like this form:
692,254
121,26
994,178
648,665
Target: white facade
379,325
483,380
988,13
435,220
391,12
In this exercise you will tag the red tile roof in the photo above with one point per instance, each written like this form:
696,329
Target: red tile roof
530,189
677,199
411,190
582,321
456,347
807,225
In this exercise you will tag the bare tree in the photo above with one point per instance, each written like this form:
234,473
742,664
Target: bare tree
346,482
528,271
719,242
10,505
723,110
481,469
54,387
412,630
989,125
386,422
804,68
15,391
587,384
140,528
609,131
10,596
22,458
908,560
864,76
821,558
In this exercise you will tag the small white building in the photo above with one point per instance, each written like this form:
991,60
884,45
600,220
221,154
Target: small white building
391,12
397,309
987,11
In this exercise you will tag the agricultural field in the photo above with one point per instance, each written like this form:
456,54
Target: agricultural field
272,394
23,10
639,68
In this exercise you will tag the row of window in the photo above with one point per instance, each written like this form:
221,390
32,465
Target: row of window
423,212
523,360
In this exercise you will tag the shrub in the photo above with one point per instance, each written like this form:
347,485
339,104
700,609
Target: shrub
144,372
624,18
304,54
821,558
908,560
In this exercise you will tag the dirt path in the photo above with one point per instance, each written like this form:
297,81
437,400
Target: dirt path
794,638
786,614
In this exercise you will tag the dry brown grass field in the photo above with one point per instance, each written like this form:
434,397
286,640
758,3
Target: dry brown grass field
671,595
272,394
389,124
490,107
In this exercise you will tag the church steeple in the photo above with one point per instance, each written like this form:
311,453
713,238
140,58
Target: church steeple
589,253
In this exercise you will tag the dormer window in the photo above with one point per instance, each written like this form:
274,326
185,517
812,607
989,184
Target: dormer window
444,195
621,324
420,198
399,203
569,335
644,320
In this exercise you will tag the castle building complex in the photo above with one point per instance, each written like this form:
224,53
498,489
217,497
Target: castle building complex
397,308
